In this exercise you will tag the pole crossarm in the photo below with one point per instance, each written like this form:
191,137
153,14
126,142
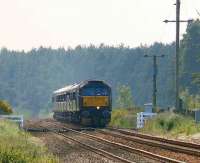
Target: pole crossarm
154,55
181,21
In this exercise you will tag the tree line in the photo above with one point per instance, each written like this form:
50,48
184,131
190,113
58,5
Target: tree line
27,79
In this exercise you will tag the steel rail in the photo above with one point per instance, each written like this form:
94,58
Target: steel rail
88,147
150,142
121,146
96,150
163,140
127,148
55,129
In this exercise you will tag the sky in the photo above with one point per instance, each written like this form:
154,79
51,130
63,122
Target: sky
27,24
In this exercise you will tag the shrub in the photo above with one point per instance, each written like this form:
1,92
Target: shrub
17,146
171,124
124,118
5,107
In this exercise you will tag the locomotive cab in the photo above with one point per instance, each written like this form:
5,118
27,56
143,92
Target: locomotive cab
96,103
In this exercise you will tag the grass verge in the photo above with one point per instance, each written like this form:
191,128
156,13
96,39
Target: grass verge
171,124
124,118
19,147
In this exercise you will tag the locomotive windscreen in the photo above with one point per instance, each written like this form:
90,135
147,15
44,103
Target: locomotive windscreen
95,91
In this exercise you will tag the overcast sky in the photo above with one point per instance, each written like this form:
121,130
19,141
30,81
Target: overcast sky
61,23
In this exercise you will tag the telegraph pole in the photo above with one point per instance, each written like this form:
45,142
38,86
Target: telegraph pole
154,82
178,3
155,72
177,21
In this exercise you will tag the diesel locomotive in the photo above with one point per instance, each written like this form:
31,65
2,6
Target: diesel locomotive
88,103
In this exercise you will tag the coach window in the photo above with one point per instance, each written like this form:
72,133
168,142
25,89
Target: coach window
77,100
68,101
74,100
74,95
71,96
65,97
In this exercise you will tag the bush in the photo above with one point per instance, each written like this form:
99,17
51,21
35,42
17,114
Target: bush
5,107
17,146
171,124
124,118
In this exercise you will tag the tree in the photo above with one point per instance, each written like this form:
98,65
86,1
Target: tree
124,99
29,78
191,102
5,108
190,48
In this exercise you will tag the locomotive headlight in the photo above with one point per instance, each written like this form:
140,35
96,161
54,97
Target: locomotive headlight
98,107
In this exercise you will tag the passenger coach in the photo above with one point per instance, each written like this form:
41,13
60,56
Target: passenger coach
88,103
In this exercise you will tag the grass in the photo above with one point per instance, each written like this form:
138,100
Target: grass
171,124
19,147
124,118
164,124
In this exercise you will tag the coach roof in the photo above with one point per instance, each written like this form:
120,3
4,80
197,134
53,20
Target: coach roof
66,89
75,86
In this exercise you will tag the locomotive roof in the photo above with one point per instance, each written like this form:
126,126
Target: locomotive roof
75,86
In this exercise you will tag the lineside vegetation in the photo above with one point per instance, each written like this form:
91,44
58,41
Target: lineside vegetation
171,124
5,107
125,113
18,146
124,118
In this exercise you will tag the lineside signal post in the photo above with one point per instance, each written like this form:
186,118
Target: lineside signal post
155,72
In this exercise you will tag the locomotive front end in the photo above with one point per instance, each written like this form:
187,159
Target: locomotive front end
96,103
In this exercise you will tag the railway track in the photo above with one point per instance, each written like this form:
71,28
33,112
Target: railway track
169,144
102,152
84,145
140,152
96,150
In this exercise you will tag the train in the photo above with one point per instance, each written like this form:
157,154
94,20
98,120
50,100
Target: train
88,103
